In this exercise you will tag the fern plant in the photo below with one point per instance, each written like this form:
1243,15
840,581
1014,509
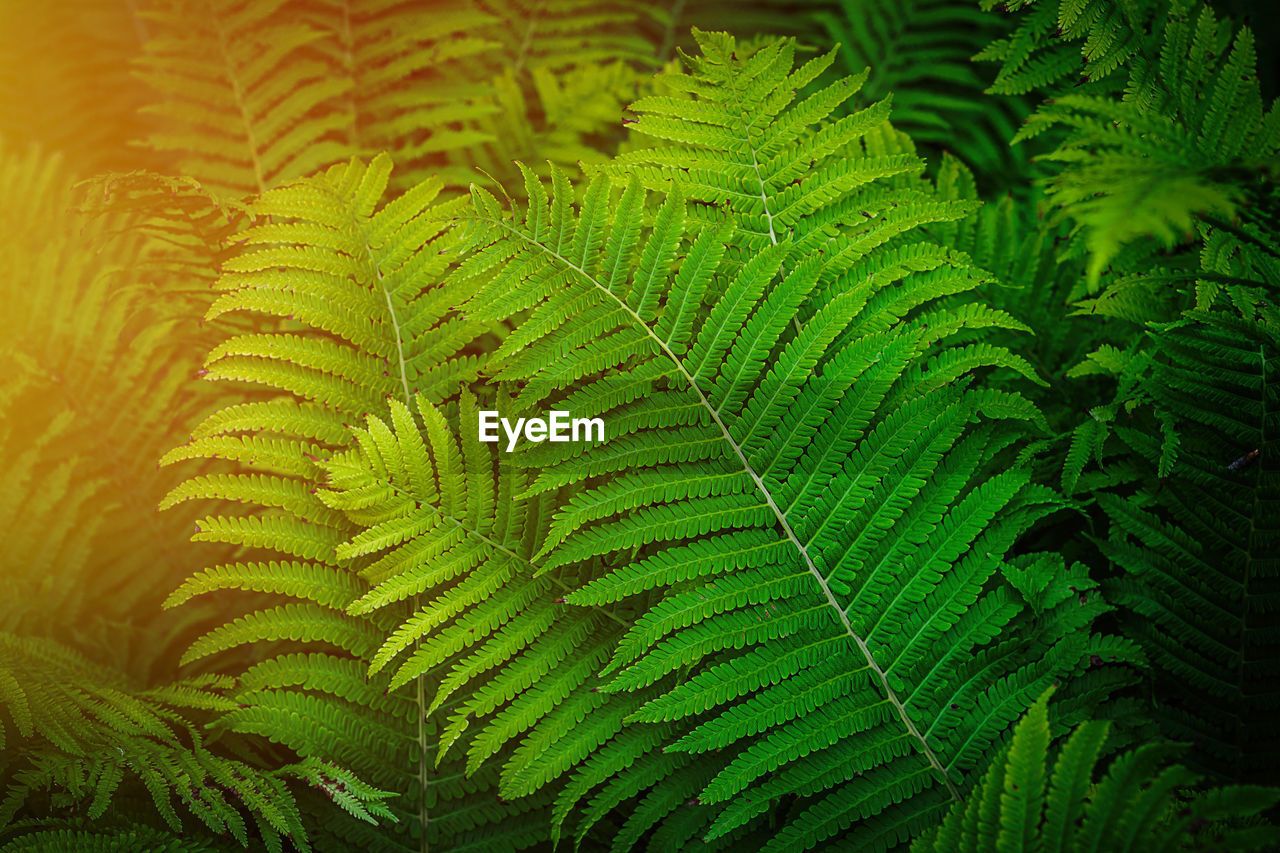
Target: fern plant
819,566
807,430
1023,805
93,713
83,740
1161,174
251,95
351,274
920,52
1170,188
1195,543
1040,55
66,86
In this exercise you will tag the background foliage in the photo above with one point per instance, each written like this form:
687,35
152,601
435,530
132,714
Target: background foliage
937,345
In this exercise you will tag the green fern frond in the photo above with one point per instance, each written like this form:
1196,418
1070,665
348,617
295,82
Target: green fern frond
86,732
844,463
735,139
253,95
1138,804
1040,54
484,624
109,841
1175,151
353,279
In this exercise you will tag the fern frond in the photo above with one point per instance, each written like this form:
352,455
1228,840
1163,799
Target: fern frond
1195,547
735,139
84,731
483,624
921,53
354,281
1041,53
845,450
1138,804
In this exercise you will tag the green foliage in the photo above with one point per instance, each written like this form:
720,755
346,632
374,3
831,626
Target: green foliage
795,456
89,727
1039,55
354,79
1195,549
919,52
66,83
85,738
1023,803
122,841
348,271
1155,172
1168,186
905,426
253,94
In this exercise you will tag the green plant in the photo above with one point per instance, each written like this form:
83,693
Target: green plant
919,52
904,427
1137,805
93,717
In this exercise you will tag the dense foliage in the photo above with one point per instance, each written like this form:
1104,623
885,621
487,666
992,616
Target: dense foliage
938,351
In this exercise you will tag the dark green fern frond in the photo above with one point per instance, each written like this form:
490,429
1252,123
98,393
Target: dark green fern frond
1196,546
801,477
921,53
111,841
1068,805
1037,286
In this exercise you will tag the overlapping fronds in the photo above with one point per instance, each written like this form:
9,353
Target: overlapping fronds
1196,545
115,840
256,93
733,140
892,440
512,671
65,82
1067,805
1168,186
797,454
921,53
356,279
1176,154
252,94
93,388
78,736
1041,55
1038,287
